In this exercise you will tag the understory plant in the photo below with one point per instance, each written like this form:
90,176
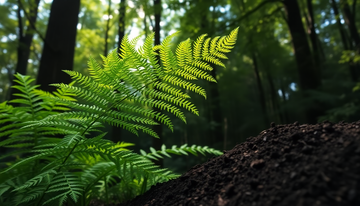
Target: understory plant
56,150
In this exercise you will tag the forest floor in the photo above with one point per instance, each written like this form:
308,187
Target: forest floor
292,164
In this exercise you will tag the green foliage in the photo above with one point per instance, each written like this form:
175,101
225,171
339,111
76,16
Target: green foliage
61,155
349,56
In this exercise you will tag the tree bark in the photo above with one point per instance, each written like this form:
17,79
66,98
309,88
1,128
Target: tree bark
106,49
59,47
117,131
284,103
121,32
309,77
261,90
345,41
157,142
25,40
313,38
350,21
216,116
274,99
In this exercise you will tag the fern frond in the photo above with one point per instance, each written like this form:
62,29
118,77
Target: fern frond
133,91
185,84
166,55
37,179
182,150
29,196
198,45
70,184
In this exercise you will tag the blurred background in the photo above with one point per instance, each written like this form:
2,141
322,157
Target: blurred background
295,60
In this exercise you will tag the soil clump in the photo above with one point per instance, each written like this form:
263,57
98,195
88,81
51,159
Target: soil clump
285,165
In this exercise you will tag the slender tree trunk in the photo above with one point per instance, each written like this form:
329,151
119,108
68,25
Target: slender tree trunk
157,142
261,90
349,16
274,98
308,75
25,40
345,41
314,38
117,131
216,116
343,36
283,95
350,21
59,47
106,49
122,12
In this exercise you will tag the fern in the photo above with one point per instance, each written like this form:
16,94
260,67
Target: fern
182,150
133,91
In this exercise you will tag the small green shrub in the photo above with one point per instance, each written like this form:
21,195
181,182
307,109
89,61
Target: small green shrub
57,138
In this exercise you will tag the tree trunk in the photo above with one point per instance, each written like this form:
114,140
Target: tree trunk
106,49
261,90
284,103
309,78
350,21
274,99
313,38
59,46
345,41
117,131
215,113
349,17
157,142
216,116
122,12
25,40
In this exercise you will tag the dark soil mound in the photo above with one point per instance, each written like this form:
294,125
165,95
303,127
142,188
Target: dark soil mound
285,165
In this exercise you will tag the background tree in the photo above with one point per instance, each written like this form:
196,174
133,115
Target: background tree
25,37
157,142
309,75
59,45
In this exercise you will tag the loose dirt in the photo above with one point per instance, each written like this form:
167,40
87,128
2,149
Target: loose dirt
292,164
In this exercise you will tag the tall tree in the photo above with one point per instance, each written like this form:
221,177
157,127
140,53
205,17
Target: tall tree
25,38
106,49
309,76
345,41
261,89
121,28
157,142
117,131
216,112
313,37
59,46
351,23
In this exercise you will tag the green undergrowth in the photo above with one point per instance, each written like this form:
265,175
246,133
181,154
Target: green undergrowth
56,153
